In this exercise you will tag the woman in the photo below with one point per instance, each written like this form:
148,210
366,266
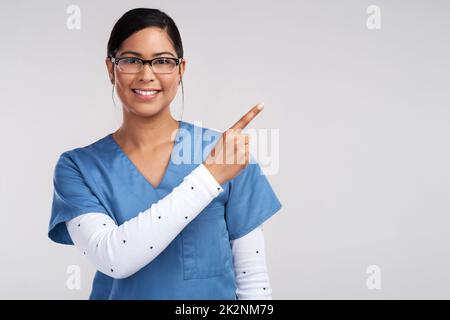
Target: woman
157,219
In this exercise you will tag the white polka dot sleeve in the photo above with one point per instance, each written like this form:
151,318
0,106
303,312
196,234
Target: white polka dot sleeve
120,251
249,261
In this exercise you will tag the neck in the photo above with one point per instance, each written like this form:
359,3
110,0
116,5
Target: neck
146,133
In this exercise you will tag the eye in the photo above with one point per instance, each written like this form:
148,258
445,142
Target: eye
162,61
130,60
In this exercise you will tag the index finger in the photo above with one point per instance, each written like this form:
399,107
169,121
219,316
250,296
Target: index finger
249,116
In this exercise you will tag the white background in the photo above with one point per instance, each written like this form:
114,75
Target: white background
363,115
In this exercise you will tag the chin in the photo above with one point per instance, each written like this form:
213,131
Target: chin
145,109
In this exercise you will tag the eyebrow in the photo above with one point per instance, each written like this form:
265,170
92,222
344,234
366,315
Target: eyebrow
140,55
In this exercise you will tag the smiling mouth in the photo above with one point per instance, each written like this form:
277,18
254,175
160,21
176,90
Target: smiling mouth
145,93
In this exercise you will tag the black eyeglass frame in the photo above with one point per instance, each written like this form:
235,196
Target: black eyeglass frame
144,62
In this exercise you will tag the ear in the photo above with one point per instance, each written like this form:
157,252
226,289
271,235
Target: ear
182,69
110,68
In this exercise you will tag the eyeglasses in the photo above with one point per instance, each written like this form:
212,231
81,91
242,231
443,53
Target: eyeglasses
159,65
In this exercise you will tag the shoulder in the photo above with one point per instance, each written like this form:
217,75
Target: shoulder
89,153
198,130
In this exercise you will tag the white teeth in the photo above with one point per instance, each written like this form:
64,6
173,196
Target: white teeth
145,93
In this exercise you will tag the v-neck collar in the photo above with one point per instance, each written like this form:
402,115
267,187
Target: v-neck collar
135,169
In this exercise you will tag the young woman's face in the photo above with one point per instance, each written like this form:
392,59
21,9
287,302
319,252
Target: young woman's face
146,44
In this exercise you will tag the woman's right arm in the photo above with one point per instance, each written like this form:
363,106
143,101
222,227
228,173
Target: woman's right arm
120,251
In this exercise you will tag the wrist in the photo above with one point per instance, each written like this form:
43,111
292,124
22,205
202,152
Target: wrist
215,172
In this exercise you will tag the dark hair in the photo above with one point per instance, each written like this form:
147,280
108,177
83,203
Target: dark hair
140,18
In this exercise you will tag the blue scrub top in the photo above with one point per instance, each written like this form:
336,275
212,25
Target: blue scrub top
198,262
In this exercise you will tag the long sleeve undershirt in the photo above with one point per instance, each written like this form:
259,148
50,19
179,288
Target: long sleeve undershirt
120,251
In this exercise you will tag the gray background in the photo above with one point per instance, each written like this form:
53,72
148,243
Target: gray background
363,117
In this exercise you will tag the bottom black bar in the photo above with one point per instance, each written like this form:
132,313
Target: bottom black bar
213,309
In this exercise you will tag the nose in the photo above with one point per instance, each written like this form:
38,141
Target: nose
146,73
